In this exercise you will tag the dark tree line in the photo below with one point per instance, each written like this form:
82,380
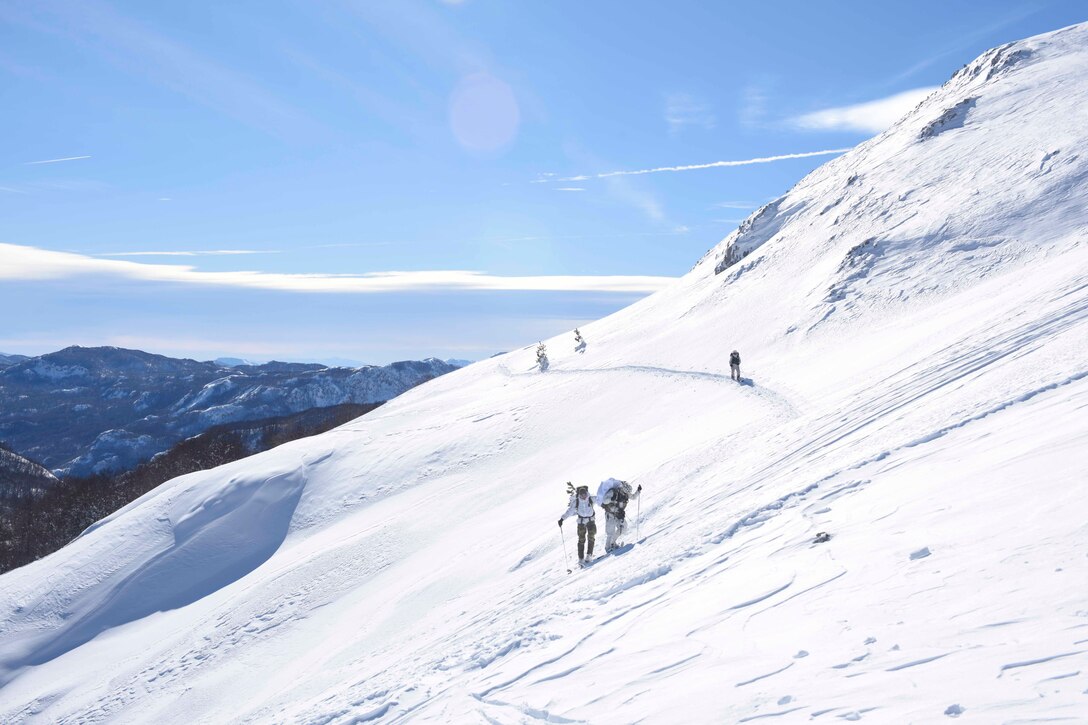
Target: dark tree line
35,522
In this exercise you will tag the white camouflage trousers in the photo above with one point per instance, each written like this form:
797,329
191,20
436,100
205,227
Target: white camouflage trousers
614,528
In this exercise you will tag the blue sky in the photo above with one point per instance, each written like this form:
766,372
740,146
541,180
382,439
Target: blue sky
373,181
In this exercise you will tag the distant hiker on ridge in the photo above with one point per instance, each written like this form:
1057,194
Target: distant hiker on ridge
613,496
581,503
734,365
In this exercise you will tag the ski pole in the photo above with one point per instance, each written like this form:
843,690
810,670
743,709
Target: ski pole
566,559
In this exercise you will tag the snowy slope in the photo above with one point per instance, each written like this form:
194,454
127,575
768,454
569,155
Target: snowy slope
913,318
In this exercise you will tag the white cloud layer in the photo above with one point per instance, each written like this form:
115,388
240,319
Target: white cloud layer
869,117
194,253
31,263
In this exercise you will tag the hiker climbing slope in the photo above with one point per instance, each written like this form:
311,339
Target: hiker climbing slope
581,504
734,365
613,496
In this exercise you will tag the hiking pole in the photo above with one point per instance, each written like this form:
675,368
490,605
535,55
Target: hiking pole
566,559
638,515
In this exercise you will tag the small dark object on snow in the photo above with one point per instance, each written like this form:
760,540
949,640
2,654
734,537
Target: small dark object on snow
822,537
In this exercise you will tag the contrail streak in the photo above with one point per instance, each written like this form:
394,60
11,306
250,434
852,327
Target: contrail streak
57,161
711,165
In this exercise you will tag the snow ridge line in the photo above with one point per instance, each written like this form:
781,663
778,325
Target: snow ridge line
955,426
1039,661
480,696
983,353
806,590
997,409
764,513
763,677
531,712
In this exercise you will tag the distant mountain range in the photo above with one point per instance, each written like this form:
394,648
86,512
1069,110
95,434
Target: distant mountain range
82,411
6,360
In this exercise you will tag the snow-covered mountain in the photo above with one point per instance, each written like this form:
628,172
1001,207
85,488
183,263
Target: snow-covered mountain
20,477
231,362
913,322
22,484
88,410
6,360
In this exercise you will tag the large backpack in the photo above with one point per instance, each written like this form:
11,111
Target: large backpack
619,502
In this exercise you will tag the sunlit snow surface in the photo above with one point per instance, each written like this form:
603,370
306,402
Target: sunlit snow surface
913,320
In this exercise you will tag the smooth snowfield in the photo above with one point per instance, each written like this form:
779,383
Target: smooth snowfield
913,321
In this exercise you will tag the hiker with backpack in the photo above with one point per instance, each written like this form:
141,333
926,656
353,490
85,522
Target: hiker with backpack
581,504
734,365
613,496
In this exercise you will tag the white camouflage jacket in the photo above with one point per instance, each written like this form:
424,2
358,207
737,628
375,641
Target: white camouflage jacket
583,507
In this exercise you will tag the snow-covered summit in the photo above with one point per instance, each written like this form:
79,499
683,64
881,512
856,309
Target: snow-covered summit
913,324
985,174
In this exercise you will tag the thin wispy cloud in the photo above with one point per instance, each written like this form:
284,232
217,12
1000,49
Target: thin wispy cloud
735,205
683,110
393,113
56,161
11,190
347,245
190,253
138,49
869,117
753,106
550,237
628,191
711,165
571,188
964,39
31,263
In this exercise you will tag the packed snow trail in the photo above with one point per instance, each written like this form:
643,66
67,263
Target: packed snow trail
914,318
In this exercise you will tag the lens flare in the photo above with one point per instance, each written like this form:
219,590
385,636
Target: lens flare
484,114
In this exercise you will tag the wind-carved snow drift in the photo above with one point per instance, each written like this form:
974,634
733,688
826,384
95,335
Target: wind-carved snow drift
913,321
